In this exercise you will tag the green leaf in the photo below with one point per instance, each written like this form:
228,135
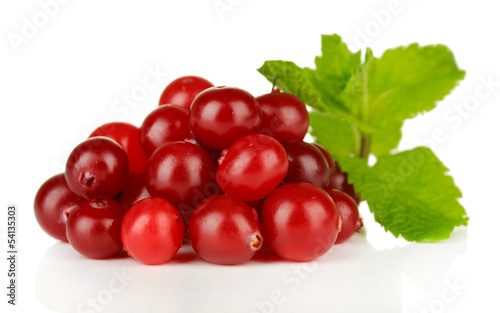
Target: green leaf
334,69
293,79
405,81
355,91
333,134
409,193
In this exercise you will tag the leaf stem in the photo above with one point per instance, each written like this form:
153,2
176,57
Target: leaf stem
274,84
357,139
366,141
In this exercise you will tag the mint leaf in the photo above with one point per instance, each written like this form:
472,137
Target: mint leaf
404,82
335,66
409,193
356,88
333,134
293,79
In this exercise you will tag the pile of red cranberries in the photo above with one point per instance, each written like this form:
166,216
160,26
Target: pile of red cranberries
214,166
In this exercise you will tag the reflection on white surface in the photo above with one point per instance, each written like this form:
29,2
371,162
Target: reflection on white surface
352,277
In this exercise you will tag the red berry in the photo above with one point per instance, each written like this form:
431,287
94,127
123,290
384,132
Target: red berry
183,90
166,123
152,231
134,190
307,164
299,222
98,167
182,173
329,159
252,167
224,230
53,203
127,136
221,115
93,228
284,116
339,181
349,214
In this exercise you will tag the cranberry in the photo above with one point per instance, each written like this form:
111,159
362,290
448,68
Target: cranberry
307,164
152,231
183,90
166,123
53,203
299,222
93,228
127,136
221,115
252,167
224,230
339,181
182,173
349,214
134,190
329,159
98,167
284,116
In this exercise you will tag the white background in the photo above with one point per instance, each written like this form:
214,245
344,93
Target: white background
72,72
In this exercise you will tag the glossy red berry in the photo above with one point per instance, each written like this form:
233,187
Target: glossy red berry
94,226
284,116
307,164
299,222
127,136
329,159
53,203
97,167
339,181
221,115
349,214
134,190
224,230
152,231
183,90
252,167
164,124
182,173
